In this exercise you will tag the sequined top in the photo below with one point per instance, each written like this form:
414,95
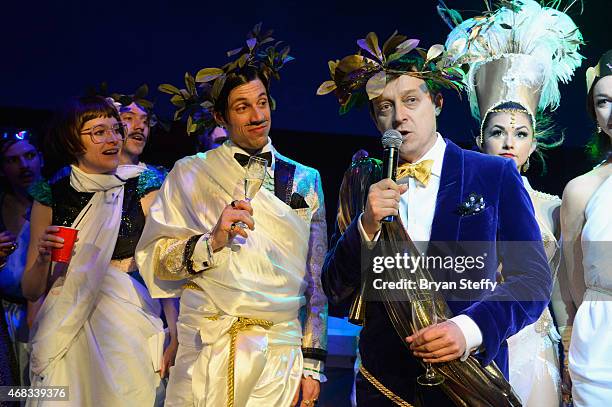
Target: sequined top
67,203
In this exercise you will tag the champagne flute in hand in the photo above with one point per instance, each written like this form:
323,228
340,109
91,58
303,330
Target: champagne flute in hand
253,179
424,314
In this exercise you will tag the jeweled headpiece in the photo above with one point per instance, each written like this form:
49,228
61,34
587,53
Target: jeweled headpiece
197,100
517,53
360,77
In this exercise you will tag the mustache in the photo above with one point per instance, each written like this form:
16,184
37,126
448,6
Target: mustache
258,123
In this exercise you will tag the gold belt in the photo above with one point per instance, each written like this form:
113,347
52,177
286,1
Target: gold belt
384,390
240,324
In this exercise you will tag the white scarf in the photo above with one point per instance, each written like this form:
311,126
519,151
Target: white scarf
71,300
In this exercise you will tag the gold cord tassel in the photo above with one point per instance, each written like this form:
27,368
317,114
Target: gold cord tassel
381,388
239,325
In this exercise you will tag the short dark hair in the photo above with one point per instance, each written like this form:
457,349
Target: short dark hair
64,139
235,79
599,145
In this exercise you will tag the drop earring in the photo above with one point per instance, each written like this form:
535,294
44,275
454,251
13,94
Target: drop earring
525,166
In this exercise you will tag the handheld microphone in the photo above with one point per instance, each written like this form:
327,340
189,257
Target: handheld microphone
391,141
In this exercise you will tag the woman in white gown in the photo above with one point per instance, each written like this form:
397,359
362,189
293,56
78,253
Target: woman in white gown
511,79
586,224
532,352
98,330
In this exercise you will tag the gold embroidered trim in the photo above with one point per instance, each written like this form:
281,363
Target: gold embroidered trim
381,388
125,265
171,267
193,286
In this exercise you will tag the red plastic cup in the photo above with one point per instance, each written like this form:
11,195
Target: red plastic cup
64,254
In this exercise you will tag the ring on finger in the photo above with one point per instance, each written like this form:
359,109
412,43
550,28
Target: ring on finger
232,227
233,204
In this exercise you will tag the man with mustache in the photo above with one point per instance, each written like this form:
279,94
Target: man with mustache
137,114
138,124
253,327
21,164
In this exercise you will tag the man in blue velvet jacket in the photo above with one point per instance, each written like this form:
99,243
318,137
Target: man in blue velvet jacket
429,212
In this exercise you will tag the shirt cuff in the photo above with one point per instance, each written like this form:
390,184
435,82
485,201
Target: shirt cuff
364,235
314,368
203,257
471,333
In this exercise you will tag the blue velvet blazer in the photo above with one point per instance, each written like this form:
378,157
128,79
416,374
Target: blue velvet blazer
508,216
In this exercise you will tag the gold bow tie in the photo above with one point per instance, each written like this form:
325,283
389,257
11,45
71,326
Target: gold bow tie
420,171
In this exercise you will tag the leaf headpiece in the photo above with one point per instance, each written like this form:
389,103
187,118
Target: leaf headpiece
121,101
197,100
360,77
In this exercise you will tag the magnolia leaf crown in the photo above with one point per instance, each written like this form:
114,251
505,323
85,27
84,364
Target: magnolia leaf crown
358,78
197,100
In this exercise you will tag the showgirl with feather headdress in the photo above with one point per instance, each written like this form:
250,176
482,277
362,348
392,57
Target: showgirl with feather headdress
517,55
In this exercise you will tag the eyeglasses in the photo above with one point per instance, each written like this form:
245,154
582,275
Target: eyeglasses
103,134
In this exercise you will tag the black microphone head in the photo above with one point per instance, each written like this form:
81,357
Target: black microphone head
392,139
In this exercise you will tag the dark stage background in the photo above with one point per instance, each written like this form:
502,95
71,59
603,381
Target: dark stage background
54,50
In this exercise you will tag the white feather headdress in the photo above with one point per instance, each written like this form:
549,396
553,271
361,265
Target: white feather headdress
518,53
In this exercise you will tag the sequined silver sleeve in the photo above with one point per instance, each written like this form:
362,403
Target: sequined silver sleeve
314,343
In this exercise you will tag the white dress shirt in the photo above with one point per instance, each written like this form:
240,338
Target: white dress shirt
417,218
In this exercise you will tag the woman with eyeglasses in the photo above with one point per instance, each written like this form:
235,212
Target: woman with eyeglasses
97,331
